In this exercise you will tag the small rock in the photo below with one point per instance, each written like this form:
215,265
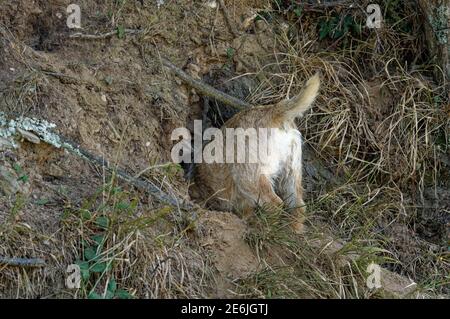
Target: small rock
240,67
5,144
159,3
35,10
55,171
261,25
30,137
194,97
194,67
137,67
196,40
249,21
8,181
194,70
212,4
223,49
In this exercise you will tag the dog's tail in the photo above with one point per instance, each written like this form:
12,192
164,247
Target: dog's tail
296,106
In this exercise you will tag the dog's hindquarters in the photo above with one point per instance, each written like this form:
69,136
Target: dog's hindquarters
288,185
244,186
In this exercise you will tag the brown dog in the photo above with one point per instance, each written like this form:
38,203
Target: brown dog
278,179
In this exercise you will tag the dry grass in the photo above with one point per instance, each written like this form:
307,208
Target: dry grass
126,245
380,124
293,268
136,241
115,239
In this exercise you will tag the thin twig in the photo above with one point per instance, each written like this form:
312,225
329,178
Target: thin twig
206,89
101,36
122,174
329,4
42,130
22,262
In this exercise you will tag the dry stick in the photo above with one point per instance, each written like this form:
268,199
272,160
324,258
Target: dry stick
147,186
22,262
80,35
206,89
320,7
328,4
227,17
122,174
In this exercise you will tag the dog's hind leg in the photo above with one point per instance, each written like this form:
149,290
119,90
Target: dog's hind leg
289,188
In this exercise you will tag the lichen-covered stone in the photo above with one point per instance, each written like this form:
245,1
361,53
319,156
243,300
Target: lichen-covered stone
8,181
437,32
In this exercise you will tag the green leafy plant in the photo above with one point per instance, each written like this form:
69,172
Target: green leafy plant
120,31
101,221
22,176
230,53
42,201
337,27
298,11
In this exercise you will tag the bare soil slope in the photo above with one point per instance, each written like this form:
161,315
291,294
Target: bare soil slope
112,96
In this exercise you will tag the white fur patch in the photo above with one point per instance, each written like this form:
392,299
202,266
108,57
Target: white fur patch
284,148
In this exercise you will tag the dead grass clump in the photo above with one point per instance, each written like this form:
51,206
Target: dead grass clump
123,247
293,268
379,122
115,239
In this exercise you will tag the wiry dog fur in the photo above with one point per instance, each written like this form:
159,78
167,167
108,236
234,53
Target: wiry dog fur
277,181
